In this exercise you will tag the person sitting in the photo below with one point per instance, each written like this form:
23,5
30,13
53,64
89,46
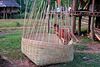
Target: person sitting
64,34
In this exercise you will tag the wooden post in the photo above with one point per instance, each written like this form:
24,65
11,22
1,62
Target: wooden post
3,13
10,15
92,27
74,17
6,13
88,31
55,11
79,25
49,4
92,21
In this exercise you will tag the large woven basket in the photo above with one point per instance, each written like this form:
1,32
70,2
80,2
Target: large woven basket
42,53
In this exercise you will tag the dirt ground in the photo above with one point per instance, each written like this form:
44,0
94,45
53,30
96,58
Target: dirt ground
93,48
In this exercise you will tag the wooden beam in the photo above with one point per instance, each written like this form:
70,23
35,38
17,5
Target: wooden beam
79,25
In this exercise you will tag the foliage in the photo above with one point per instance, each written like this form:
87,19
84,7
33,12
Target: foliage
81,47
23,5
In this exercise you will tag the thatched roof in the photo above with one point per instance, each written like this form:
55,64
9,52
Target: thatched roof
2,4
8,3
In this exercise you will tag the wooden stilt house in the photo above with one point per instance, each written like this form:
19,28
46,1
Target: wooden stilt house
90,9
8,8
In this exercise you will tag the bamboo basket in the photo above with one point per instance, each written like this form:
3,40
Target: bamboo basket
42,53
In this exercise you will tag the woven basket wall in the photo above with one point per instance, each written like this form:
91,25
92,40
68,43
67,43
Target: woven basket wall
43,53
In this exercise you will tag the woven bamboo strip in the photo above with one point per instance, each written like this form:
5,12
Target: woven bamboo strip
43,54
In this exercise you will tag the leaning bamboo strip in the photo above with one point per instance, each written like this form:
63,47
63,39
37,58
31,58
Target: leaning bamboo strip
43,20
30,17
39,23
36,18
25,19
61,20
50,28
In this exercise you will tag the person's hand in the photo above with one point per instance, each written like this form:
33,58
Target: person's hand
77,41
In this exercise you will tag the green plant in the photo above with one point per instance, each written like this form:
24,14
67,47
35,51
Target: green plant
18,24
81,47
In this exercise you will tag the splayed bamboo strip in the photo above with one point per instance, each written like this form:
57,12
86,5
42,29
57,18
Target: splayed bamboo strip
25,18
47,16
39,23
61,20
36,18
67,21
42,22
50,28
53,24
30,18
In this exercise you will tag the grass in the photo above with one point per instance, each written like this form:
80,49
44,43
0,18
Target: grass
81,47
79,62
11,23
11,48
11,45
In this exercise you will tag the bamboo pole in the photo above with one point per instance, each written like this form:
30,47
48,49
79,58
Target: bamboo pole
49,4
53,25
50,28
61,20
45,22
